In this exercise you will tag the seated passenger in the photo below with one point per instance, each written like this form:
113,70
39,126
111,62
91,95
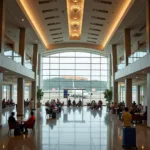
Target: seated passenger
12,120
115,105
74,103
126,118
69,103
29,122
100,104
140,108
79,103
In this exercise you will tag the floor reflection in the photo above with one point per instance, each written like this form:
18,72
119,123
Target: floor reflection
74,129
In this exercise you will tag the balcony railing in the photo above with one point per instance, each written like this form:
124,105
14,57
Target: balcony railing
136,56
12,55
121,65
28,64
8,52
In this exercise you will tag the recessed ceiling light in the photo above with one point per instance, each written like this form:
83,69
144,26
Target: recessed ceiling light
75,1
75,8
6,71
22,19
75,35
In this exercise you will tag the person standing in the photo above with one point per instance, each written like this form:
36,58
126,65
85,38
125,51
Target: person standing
126,118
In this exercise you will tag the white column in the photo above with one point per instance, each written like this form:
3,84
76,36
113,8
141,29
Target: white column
11,91
148,100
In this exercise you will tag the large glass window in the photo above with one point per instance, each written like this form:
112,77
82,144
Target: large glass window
74,70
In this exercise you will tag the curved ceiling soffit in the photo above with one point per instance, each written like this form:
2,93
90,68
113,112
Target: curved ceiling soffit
71,48
74,45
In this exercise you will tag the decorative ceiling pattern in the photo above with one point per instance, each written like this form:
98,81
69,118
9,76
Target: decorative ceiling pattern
75,21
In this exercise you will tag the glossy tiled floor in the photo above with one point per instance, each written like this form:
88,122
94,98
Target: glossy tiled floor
74,129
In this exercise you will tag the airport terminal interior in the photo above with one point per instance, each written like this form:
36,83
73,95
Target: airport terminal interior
73,66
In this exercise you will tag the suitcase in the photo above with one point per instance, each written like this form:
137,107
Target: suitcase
17,131
129,138
54,115
120,116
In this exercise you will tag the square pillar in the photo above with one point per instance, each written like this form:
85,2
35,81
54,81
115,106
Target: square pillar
148,25
128,92
20,97
115,92
138,95
148,100
2,24
22,41
127,43
114,69
33,93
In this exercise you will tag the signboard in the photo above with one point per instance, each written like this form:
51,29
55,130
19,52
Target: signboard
65,93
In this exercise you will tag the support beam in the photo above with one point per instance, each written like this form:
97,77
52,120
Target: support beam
127,43
138,95
35,55
114,70
22,41
128,92
20,97
148,50
34,68
33,93
2,24
148,99
148,25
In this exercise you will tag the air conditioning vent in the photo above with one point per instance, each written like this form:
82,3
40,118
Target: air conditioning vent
91,41
93,34
56,38
100,10
55,29
50,10
47,1
98,18
54,23
92,38
92,29
96,24
103,2
52,17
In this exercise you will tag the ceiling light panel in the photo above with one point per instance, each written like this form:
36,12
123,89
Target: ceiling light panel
75,9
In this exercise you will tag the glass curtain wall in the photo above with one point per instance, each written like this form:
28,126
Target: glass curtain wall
74,70
6,92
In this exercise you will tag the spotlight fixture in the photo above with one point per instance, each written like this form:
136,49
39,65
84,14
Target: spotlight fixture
75,35
75,9
22,19
75,1
75,23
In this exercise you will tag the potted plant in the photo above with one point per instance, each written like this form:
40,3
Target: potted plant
40,94
108,95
